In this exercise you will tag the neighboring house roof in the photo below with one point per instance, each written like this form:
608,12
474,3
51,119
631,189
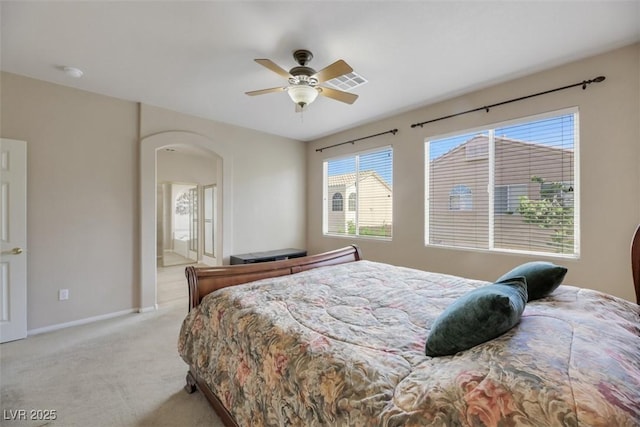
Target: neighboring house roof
479,139
347,179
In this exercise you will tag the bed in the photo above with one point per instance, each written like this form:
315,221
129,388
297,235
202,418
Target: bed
332,339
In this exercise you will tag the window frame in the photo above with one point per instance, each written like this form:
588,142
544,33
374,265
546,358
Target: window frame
325,194
490,127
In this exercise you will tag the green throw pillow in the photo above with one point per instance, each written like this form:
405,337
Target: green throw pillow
542,277
478,316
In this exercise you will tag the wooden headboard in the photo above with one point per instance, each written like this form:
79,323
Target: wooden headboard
635,262
204,280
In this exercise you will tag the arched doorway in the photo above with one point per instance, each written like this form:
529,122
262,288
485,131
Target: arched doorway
148,204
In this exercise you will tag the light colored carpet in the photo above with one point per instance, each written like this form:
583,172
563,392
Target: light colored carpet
120,372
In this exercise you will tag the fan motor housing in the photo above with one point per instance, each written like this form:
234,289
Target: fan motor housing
302,71
302,74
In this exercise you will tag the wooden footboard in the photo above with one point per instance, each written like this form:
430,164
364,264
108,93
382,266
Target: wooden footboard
204,280
635,262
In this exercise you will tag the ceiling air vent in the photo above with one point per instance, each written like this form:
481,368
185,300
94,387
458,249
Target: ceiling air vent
347,81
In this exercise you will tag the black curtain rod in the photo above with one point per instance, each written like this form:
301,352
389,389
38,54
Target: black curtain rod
353,141
583,83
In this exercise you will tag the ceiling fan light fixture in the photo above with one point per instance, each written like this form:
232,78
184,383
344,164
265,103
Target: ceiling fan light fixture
302,95
303,81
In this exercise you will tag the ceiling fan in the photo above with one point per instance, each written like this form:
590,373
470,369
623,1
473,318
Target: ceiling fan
304,81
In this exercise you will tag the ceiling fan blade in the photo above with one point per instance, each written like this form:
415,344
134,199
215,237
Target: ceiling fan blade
273,67
339,95
263,91
334,70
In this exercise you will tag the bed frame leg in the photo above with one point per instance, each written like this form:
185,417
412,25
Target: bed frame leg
190,387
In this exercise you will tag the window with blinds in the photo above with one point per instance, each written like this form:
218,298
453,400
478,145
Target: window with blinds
358,194
510,187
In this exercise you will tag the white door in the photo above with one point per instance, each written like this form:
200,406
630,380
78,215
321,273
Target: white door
13,238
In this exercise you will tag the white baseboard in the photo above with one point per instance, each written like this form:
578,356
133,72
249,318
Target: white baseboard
147,309
83,321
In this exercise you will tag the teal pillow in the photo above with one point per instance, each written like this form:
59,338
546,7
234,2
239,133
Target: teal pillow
542,277
478,316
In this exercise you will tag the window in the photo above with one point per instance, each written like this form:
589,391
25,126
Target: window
510,187
506,198
336,202
460,198
367,180
352,202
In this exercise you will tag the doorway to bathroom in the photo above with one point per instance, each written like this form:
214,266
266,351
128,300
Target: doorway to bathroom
186,217
178,223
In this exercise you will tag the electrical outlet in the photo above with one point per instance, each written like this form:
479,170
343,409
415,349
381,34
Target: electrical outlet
63,294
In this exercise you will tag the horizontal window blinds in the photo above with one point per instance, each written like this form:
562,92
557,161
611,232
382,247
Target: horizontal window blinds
359,194
505,188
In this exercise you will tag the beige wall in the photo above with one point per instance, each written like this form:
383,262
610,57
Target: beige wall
268,179
609,169
186,168
83,199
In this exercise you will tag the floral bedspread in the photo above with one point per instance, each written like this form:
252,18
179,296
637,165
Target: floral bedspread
344,346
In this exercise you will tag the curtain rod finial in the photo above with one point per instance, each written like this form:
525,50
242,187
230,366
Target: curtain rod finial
596,80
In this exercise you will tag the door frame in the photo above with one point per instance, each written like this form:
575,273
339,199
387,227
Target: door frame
148,187
207,256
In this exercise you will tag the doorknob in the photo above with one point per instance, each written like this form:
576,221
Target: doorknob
14,251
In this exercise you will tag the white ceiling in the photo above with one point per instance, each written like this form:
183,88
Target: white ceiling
197,57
